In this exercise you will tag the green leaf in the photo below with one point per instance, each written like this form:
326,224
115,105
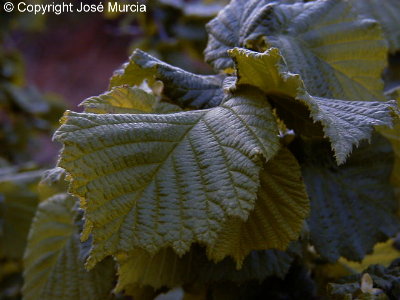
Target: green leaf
18,201
337,54
184,88
53,267
352,206
344,123
167,269
127,100
278,216
387,15
153,181
393,135
52,182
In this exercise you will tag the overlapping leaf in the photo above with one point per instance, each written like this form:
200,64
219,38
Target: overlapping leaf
53,268
337,54
387,14
278,216
184,88
168,269
153,181
352,206
345,123
127,100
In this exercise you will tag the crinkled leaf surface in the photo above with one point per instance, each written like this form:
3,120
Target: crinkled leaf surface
184,88
278,216
166,268
18,201
353,205
53,268
127,100
345,123
337,54
153,181
387,14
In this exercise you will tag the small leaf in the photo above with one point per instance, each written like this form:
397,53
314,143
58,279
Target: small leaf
153,181
53,269
278,216
184,88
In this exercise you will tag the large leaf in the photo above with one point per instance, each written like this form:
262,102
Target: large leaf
184,88
278,216
345,123
337,54
152,181
18,201
166,268
352,206
53,267
387,14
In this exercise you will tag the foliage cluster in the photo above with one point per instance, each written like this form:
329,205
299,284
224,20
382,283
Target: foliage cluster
266,180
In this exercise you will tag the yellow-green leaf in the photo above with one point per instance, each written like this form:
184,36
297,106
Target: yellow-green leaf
153,181
344,123
278,216
53,266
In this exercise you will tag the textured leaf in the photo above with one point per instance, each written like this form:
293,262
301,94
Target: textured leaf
18,201
184,88
53,269
166,268
152,181
352,206
278,216
345,123
337,54
387,14
127,100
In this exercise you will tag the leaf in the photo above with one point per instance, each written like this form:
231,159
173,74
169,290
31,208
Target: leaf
352,206
184,88
337,54
383,254
152,181
52,182
344,123
53,269
127,100
278,216
167,269
386,14
393,135
18,201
